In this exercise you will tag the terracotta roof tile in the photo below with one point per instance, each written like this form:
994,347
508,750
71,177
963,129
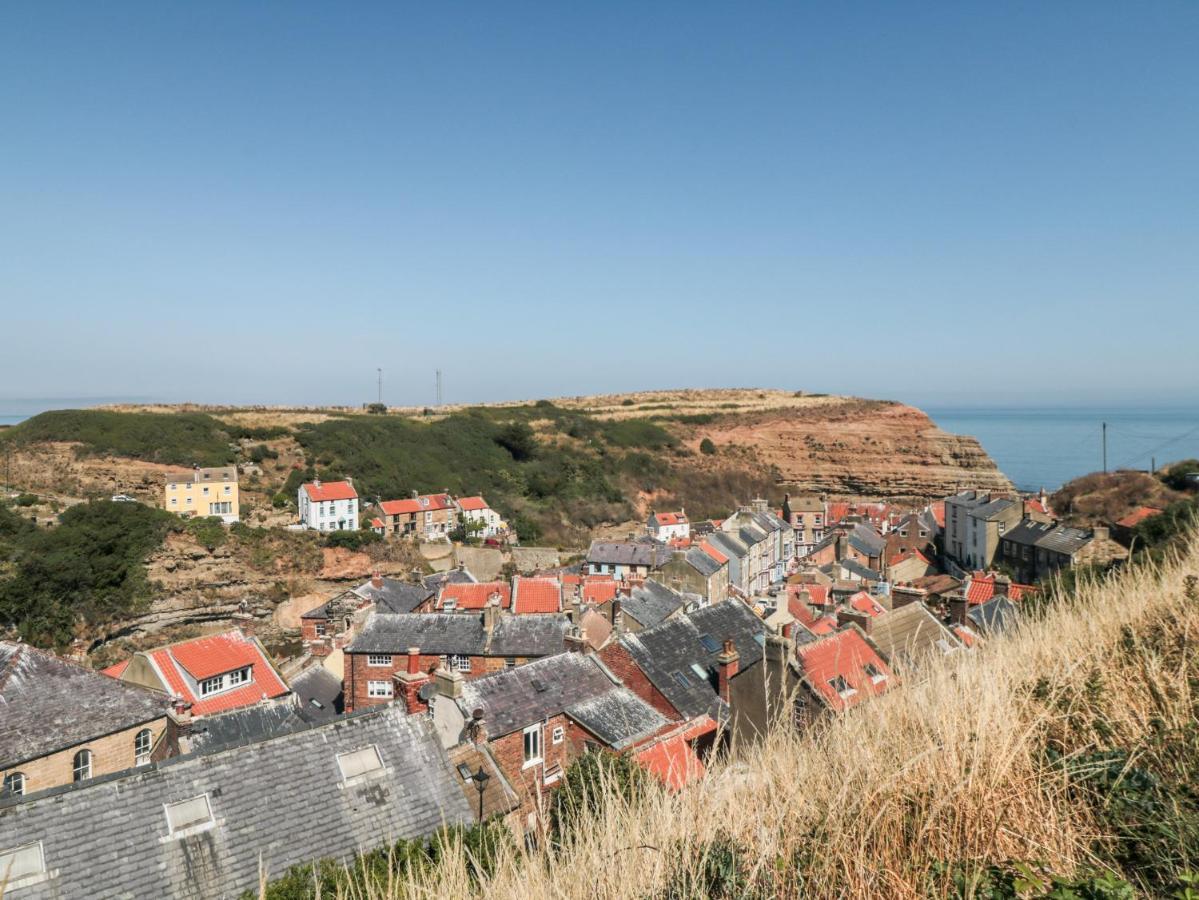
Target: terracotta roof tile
216,655
475,596
537,595
331,490
472,504
842,658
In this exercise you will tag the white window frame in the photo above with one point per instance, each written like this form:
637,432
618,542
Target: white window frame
89,759
459,663
380,690
224,682
534,732
379,660
559,734
14,783
194,827
141,757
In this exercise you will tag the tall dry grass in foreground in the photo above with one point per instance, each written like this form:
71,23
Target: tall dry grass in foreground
952,767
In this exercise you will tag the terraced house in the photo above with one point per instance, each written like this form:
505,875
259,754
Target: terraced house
61,723
427,517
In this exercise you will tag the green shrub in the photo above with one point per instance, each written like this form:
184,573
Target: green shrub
26,500
706,447
173,438
640,433
260,452
89,569
1176,475
376,409
352,540
718,870
518,439
209,531
594,779
1026,881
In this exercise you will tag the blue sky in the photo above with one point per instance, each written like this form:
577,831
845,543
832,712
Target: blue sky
263,202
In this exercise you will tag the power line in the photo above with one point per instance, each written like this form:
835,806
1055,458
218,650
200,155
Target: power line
1152,451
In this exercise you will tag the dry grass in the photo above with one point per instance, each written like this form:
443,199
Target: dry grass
949,768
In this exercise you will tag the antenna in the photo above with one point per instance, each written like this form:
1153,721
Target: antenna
380,371
439,387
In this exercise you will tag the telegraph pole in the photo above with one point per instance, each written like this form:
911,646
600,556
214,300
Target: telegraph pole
380,371
1105,448
439,387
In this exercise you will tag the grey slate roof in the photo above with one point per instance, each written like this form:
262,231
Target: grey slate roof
241,726
728,544
701,562
282,800
48,703
395,596
573,683
627,553
866,540
1027,532
992,510
316,683
675,646
438,580
462,634
995,616
651,603
1064,540
852,565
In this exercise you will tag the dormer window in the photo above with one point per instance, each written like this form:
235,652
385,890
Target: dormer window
876,675
842,687
189,816
227,682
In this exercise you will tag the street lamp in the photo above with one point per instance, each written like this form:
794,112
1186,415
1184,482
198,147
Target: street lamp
481,778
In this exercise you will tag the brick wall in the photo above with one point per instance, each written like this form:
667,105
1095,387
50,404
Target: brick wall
111,753
529,783
358,673
617,658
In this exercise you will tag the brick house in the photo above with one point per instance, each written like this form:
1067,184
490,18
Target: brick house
206,675
1064,547
427,517
839,671
331,625
537,719
805,515
61,722
472,645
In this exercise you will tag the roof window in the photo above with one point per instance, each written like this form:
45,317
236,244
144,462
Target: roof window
189,816
875,673
709,643
358,764
841,686
681,679
700,671
22,865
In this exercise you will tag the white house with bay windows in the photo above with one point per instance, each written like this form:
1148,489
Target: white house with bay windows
328,506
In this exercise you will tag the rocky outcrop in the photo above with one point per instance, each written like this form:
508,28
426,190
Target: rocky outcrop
859,448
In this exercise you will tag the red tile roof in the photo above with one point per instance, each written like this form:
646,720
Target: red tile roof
475,596
599,591
116,670
713,552
376,523
966,635
330,490
843,655
673,760
209,656
670,518
472,504
906,554
803,612
1139,515
981,588
938,511
823,625
536,595
864,603
423,503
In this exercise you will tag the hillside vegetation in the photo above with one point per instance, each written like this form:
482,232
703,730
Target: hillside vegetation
1058,762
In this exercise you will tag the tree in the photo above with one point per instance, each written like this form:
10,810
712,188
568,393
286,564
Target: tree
593,781
518,439
706,447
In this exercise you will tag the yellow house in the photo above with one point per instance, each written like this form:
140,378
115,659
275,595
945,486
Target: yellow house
204,492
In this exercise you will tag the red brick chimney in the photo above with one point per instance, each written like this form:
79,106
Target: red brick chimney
727,664
376,580
411,681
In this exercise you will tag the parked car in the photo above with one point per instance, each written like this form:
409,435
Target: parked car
122,498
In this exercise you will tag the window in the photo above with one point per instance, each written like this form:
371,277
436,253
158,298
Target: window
460,663
378,689
142,743
205,490
559,734
81,769
321,629
359,764
710,643
14,785
509,663
532,745
875,673
228,489
680,679
378,660
221,683
841,686
21,863
188,816
174,501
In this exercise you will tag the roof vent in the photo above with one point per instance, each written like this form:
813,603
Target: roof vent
538,685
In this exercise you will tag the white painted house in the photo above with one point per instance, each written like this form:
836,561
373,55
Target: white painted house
331,506
475,509
668,526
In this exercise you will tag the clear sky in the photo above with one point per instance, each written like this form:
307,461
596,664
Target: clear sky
263,202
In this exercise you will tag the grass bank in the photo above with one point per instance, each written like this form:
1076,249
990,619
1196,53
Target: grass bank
1059,761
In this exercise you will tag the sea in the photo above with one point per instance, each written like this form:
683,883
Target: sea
1047,446
1034,446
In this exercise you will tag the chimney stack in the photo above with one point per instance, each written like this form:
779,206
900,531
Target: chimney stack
575,641
1003,585
491,613
727,664
411,681
376,581
957,606
447,682
1100,533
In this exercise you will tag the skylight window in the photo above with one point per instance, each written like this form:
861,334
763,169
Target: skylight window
709,643
189,816
700,671
21,863
681,679
359,764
